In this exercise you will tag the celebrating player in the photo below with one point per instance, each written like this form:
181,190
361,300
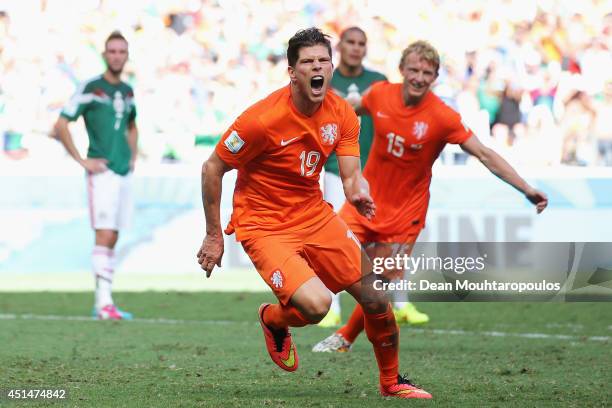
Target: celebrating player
107,106
350,80
412,126
299,246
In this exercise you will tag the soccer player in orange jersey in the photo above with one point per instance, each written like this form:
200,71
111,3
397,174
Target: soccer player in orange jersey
299,246
350,80
412,126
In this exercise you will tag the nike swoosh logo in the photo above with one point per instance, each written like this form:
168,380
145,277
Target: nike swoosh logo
286,142
290,361
381,115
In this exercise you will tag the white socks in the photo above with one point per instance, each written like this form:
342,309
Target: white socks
400,299
335,303
102,259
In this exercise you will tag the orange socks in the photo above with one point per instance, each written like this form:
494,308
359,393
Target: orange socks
278,316
354,326
383,333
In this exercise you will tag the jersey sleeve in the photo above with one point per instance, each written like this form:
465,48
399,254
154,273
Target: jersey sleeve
78,103
243,141
348,145
457,132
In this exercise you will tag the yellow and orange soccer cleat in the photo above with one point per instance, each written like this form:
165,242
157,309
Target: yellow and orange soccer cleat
279,344
404,388
409,314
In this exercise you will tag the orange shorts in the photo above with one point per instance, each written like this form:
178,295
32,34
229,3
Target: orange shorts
365,234
378,244
286,260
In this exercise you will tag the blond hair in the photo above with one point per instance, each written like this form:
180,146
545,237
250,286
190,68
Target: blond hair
424,50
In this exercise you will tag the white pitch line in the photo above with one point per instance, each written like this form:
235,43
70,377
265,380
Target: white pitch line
225,322
93,319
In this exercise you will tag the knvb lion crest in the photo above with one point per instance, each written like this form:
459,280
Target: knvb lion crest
419,130
329,133
277,279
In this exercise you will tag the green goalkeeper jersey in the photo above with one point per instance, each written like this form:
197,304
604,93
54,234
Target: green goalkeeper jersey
344,85
107,110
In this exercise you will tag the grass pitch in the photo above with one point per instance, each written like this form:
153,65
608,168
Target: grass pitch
206,349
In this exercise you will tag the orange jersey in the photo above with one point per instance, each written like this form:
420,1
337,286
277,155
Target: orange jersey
407,141
279,154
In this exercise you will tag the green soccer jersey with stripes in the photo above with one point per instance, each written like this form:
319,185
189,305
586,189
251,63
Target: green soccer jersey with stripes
107,110
344,86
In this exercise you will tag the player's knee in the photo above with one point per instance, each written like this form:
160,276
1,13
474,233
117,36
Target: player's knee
107,238
375,305
317,307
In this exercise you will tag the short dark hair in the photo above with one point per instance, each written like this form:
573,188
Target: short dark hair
306,38
115,35
352,28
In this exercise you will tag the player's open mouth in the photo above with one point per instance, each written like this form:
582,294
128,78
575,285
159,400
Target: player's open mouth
316,84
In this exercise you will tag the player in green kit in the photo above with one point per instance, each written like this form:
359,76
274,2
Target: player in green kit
107,106
350,80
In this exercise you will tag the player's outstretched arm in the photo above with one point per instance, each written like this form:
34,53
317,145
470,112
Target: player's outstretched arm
502,169
63,132
211,251
356,188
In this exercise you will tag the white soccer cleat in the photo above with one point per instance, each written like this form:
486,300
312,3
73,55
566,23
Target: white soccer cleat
334,343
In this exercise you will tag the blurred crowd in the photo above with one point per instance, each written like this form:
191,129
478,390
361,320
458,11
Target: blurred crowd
533,78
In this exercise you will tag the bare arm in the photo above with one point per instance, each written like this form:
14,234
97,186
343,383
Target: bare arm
502,169
133,142
361,110
355,101
63,132
356,188
211,250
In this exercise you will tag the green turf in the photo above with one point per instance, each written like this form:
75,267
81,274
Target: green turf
218,357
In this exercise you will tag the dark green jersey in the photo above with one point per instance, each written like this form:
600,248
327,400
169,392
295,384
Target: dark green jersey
344,86
107,110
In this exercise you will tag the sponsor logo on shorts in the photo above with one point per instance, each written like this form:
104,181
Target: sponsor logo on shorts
277,279
233,142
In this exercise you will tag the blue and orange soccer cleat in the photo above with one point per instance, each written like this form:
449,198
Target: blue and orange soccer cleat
404,388
279,344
